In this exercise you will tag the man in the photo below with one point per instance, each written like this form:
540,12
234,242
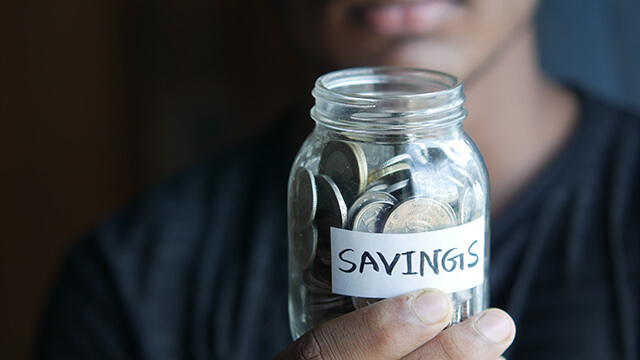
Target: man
198,268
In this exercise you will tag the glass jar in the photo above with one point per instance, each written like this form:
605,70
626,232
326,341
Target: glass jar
387,195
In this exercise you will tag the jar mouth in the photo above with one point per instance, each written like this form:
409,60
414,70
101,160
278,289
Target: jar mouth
388,96
384,82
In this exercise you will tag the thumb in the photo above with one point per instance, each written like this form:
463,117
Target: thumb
389,329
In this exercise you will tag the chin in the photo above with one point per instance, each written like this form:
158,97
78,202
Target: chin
438,53
425,56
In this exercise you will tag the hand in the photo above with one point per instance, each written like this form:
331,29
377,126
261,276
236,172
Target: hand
406,327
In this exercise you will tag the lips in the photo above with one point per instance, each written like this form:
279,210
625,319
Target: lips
405,18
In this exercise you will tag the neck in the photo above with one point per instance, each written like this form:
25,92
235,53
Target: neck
518,118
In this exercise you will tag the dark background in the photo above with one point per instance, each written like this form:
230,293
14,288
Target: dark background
102,99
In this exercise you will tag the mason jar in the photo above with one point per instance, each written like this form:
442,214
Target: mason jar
387,195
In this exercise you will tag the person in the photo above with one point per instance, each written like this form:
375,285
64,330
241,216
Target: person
197,268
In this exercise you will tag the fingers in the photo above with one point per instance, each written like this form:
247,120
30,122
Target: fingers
389,329
483,337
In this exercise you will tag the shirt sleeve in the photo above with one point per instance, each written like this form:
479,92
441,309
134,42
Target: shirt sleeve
85,317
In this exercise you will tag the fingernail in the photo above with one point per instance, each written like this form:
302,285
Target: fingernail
495,325
431,307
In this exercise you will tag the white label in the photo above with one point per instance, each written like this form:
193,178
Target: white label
384,265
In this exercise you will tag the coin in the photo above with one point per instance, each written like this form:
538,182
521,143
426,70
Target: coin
371,217
367,198
419,153
419,215
464,311
305,199
461,305
455,181
378,185
460,174
480,204
429,183
394,160
332,211
463,295
304,245
393,173
346,164
377,154
400,189
472,199
436,154
467,205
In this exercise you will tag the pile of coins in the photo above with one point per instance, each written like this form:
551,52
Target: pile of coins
418,190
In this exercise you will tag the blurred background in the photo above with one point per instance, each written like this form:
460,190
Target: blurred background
102,99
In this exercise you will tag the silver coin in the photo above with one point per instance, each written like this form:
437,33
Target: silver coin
429,183
376,154
457,315
332,210
371,217
472,201
367,198
360,302
379,186
464,310
425,168
419,153
401,188
460,174
305,198
480,204
436,154
304,246
456,182
463,295
419,215
394,160
345,163
392,174
467,205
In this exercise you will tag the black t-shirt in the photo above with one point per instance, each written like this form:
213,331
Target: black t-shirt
198,268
